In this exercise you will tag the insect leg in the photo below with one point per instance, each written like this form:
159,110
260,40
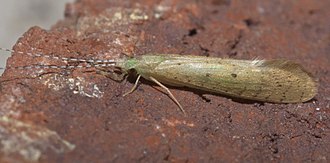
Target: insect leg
169,93
111,74
134,87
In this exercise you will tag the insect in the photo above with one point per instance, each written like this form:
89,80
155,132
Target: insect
275,81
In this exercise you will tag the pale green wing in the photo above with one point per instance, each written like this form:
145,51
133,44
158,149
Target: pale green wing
276,81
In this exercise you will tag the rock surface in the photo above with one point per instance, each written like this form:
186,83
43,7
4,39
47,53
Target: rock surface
80,115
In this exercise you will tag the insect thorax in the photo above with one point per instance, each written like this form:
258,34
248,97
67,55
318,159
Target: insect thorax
141,64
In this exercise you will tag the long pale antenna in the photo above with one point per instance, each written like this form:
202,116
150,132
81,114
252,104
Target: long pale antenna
59,58
90,62
59,67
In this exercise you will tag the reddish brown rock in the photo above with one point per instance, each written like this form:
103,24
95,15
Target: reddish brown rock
80,115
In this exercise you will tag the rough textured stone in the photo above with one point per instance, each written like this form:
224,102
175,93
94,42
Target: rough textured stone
80,115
